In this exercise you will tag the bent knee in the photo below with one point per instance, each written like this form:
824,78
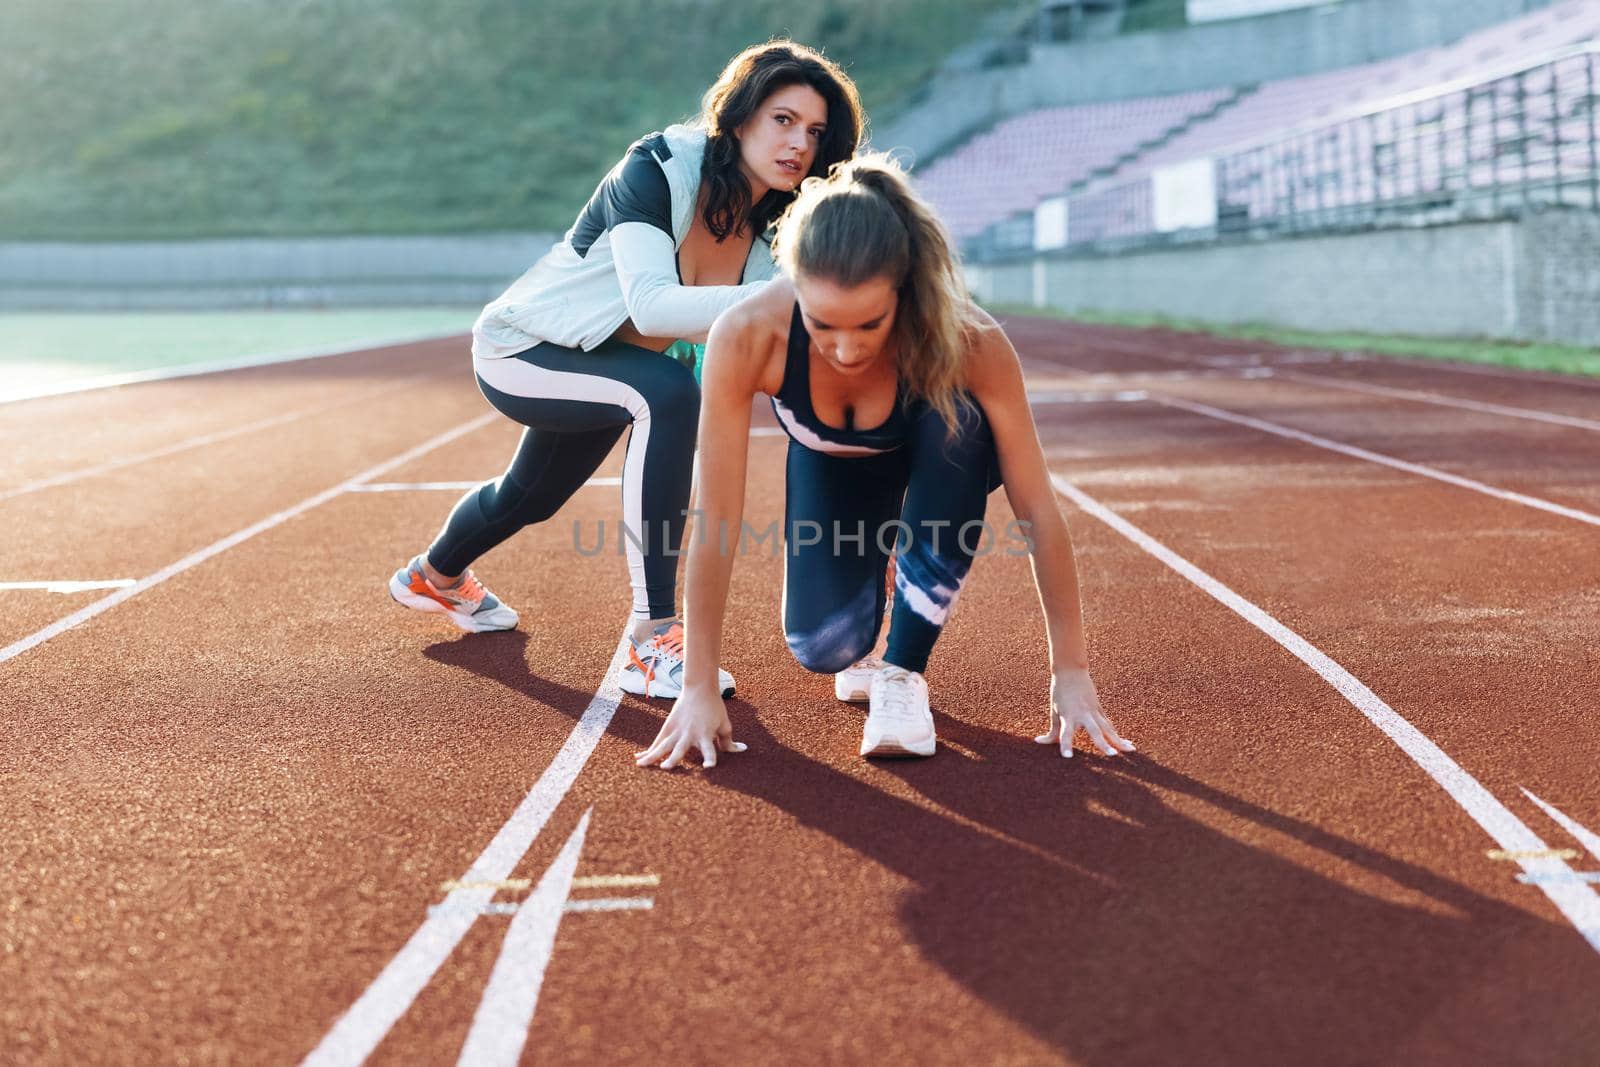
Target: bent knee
674,396
829,655
840,638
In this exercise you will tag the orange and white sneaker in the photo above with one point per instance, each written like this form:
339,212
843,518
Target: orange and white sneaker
655,666
467,603
854,683
899,722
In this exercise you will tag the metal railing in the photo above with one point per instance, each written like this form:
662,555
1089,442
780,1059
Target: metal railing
1485,147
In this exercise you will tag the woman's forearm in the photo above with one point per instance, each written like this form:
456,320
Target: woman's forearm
1055,573
706,594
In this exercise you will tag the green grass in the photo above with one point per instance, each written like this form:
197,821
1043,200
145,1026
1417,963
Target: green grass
1155,15
1564,359
254,117
39,349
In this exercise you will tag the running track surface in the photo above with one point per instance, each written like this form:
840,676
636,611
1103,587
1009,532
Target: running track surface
233,796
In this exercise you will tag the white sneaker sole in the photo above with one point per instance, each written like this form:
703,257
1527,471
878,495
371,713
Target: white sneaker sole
402,594
633,682
852,690
894,748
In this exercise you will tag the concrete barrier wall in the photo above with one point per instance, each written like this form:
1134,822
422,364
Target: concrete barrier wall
1533,279
960,102
261,272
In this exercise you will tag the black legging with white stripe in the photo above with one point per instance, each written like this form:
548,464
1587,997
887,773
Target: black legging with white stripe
575,405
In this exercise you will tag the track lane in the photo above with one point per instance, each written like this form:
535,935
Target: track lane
1265,881
268,780
44,437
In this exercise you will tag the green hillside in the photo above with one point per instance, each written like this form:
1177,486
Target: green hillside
244,117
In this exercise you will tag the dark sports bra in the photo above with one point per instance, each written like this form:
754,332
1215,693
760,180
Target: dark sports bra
792,405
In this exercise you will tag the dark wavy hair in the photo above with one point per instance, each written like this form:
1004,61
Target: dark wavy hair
748,79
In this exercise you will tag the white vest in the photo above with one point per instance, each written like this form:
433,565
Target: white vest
578,301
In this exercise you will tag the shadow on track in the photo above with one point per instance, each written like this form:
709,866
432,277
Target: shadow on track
502,657
1081,902
1126,913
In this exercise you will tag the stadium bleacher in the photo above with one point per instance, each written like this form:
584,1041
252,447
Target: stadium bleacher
1024,159
1287,146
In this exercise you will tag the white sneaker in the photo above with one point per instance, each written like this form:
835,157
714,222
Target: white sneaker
854,683
898,720
655,666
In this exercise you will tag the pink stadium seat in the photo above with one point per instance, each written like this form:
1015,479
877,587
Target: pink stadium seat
1424,148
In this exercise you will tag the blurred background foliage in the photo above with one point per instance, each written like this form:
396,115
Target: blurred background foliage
170,119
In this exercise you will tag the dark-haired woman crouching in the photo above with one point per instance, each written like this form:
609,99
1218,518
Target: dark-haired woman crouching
674,235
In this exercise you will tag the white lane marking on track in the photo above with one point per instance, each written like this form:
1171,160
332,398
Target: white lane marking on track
197,442
615,881
767,431
613,904
1122,396
500,1025
1558,853
1441,400
1580,833
162,374
1578,903
363,1026
456,487
1378,457
70,587
194,559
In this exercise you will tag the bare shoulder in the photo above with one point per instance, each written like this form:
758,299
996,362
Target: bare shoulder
747,340
991,361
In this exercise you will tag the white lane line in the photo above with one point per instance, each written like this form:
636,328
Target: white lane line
767,431
363,1026
1578,903
612,904
70,587
198,442
162,374
500,1025
1592,425
616,881
1378,457
453,487
194,559
1558,853
1058,396
1582,834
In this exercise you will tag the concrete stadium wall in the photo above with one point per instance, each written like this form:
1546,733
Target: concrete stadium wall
958,103
1533,279
261,272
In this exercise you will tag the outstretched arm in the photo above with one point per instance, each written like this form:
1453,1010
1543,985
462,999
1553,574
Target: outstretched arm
699,719
995,379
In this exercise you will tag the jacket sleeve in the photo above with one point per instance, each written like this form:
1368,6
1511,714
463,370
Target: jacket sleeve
659,306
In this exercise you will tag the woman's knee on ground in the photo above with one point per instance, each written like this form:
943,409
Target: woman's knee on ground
838,638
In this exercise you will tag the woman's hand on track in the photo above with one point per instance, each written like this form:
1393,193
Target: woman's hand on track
699,720
1074,706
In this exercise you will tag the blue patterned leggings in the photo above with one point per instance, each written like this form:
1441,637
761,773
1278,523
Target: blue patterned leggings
844,515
